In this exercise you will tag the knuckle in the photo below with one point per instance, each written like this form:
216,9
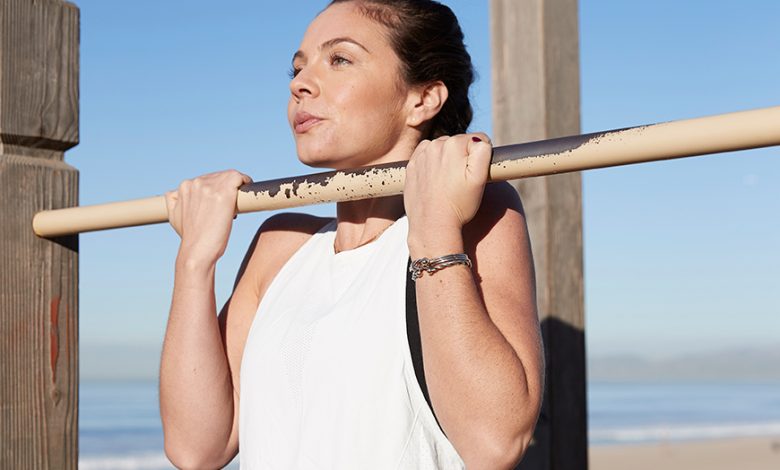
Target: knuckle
436,144
454,142
422,146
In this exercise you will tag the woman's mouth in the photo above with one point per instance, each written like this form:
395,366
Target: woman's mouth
305,121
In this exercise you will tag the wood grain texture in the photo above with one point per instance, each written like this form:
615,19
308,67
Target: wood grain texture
39,90
38,277
536,96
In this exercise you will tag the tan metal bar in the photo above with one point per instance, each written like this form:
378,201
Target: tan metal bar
675,139
81,219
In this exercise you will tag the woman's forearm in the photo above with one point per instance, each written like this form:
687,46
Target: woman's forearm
476,379
196,391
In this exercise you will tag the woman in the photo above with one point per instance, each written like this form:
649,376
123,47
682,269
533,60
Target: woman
317,358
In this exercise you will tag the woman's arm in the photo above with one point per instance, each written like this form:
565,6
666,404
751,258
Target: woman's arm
197,403
200,370
479,329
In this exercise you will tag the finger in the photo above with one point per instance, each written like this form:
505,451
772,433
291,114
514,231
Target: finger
482,136
477,139
437,146
424,144
416,156
458,146
170,202
479,156
243,179
237,178
185,188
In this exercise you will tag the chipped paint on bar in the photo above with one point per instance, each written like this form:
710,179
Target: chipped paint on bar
701,136
332,186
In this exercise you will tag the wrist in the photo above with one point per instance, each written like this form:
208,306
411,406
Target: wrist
433,265
434,243
200,253
193,264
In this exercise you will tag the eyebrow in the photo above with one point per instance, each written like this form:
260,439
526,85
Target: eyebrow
331,43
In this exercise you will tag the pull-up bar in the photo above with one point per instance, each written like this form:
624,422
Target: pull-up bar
675,139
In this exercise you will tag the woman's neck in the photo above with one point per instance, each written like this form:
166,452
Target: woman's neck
361,222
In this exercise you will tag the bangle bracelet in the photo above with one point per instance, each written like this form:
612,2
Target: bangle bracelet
431,265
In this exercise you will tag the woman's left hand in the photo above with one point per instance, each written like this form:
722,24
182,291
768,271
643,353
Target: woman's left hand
445,179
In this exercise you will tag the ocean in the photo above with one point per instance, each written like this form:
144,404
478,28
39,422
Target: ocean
628,413
119,422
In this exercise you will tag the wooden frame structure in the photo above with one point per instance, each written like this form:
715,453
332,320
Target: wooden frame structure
39,277
39,115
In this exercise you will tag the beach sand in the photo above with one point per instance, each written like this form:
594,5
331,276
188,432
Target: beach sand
760,453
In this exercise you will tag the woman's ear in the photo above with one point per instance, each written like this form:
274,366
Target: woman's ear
425,103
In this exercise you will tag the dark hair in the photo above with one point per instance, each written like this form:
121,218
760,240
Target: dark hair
427,39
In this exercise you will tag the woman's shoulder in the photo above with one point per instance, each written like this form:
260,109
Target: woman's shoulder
282,234
500,217
292,223
500,204
277,239
500,196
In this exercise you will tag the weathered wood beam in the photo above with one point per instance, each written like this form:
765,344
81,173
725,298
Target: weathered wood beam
39,66
535,51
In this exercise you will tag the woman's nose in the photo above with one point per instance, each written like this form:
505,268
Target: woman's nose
304,84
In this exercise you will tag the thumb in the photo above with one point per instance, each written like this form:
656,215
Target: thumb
480,153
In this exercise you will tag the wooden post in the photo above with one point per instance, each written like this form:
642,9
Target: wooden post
38,278
536,96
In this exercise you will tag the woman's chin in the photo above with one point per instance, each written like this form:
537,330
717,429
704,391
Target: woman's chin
333,159
323,158
317,161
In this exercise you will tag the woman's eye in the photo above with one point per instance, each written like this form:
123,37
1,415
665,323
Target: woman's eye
293,72
338,60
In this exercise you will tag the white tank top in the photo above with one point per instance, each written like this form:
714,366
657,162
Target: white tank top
327,380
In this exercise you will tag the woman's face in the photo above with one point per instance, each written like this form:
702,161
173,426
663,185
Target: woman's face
348,102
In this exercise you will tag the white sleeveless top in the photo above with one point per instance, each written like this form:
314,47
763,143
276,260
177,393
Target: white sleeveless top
327,380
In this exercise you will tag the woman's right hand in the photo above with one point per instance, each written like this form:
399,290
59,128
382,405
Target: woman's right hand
202,212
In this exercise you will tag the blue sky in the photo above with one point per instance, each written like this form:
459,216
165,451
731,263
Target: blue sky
679,256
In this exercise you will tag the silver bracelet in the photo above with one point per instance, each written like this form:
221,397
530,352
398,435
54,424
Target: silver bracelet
431,265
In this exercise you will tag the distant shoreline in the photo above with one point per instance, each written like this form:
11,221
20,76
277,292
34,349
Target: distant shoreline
141,361
738,364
